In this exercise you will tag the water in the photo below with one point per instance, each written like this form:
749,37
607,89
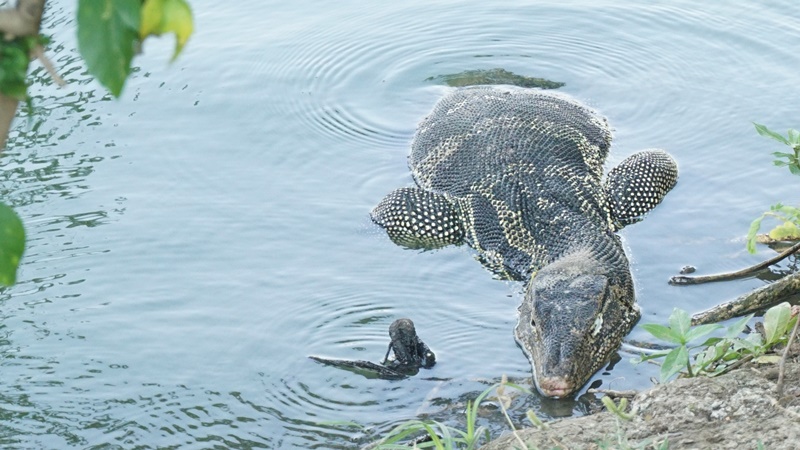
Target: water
193,242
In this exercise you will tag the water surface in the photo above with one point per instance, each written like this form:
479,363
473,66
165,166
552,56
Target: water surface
192,243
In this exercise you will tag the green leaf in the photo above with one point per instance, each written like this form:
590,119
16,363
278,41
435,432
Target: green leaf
766,132
736,328
794,136
794,169
737,354
662,332
167,16
680,322
776,321
701,330
12,244
754,339
675,361
792,212
752,232
752,344
711,355
14,59
710,341
108,32
776,207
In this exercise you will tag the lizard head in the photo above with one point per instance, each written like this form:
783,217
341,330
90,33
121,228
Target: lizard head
572,320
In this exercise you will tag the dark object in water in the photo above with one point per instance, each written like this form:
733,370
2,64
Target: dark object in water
410,353
494,76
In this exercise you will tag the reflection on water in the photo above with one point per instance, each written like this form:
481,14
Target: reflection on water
191,244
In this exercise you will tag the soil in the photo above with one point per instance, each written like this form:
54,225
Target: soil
737,410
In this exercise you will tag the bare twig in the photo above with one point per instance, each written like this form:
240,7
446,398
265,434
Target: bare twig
777,405
739,362
38,52
614,394
682,280
8,109
782,365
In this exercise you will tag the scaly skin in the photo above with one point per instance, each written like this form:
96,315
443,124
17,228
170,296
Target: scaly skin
517,174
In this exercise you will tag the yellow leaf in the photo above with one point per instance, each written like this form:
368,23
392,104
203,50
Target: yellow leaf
151,17
167,16
768,359
786,231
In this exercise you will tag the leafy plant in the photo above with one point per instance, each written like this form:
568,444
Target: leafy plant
789,216
792,139
14,58
109,34
717,354
678,332
111,31
444,437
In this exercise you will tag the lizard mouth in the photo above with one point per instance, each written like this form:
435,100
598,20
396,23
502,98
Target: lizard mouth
555,387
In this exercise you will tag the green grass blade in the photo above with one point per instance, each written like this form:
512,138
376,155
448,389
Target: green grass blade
403,431
434,437
472,416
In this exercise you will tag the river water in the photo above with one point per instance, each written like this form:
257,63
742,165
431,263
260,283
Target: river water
191,243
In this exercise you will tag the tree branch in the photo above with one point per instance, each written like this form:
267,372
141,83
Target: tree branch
760,298
24,20
684,280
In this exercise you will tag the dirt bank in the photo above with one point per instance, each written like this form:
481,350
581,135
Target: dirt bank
736,410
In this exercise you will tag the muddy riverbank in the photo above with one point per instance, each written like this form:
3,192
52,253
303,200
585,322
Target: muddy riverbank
740,409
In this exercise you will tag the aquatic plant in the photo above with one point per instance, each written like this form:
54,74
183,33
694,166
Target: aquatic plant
717,355
789,216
